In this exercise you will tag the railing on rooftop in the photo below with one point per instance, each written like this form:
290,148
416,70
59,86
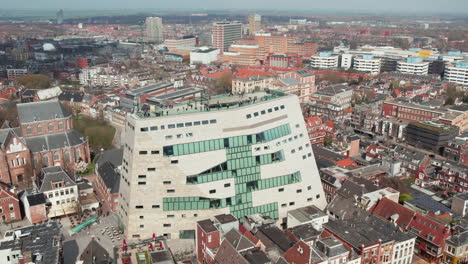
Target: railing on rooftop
212,103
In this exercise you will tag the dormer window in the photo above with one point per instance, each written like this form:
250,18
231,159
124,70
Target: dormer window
28,130
60,125
39,128
56,185
51,127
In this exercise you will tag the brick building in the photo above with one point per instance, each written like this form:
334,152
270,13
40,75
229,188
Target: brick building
9,206
375,240
108,166
44,138
209,235
333,101
410,112
430,234
453,177
457,149
34,204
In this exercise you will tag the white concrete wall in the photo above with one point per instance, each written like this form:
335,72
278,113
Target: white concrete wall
145,221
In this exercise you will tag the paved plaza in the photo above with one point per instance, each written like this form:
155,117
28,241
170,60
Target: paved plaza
74,244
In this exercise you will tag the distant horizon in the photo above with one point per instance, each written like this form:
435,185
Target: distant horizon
120,11
424,7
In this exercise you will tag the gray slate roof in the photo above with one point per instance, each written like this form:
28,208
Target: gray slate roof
459,240
55,141
109,176
114,156
361,228
41,111
237,240
290,81
95,253
41,238
36,198
54,174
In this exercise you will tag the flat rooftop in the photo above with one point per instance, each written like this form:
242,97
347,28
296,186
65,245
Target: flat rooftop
206,104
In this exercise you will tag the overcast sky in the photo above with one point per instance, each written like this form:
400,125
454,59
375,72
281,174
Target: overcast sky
420,6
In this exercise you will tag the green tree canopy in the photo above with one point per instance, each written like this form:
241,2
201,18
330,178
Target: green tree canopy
404,197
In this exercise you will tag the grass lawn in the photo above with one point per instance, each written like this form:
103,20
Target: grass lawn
100,135
408,180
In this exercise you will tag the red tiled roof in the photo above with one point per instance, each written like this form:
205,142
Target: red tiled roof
410,220
345,163
386,208
251,237
428,226
330,123
314,120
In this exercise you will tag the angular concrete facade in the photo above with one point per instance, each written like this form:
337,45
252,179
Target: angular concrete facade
191,164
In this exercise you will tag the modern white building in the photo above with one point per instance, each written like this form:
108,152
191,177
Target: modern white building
88,74
203,55
154,30
457,73
413,66
324,60
232,154
367,63
346,61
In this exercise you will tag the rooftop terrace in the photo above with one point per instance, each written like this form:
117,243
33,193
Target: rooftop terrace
207,104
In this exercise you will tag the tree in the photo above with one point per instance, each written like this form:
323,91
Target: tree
449,101
394,183
10,115
34,81
404,197
81,167
327,142
333,77
223,84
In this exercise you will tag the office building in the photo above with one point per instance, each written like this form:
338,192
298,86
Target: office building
153,30
181,43
60,17
429,135
346,61
243,54
409,112
325,60
230,154
257,50
368,64
225,33
413,66
255,23
457,73
12,74
203,55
